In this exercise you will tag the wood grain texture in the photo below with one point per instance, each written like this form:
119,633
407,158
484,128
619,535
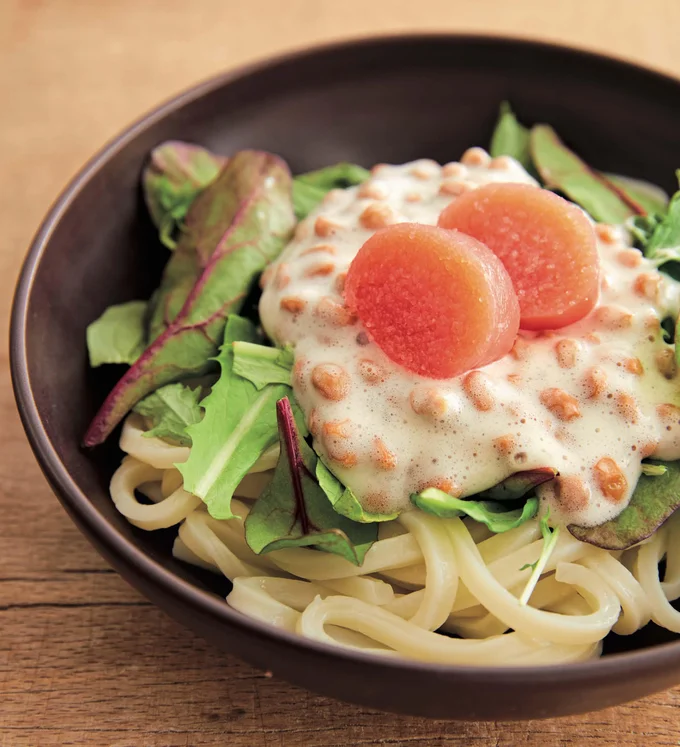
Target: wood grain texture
84,660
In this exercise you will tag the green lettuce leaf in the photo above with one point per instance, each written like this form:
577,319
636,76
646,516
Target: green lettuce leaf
305,198
563,170
510,138
263,365
234,228
339,176
239,425
118,336
653,470
518,484
663,233
343,499
310,188
642,228
655,498
169,411
495,515
658,236
176,173
294,511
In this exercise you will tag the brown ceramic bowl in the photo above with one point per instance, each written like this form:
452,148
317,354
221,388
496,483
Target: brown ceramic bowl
393,100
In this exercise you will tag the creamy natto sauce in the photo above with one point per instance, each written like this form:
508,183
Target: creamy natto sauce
590,400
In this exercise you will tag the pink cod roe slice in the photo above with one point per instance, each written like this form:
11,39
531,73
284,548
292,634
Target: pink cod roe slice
437,302
546,243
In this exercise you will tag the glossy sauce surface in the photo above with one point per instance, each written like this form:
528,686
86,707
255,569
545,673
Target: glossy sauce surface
590,400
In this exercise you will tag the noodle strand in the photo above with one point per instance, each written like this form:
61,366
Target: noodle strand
422,575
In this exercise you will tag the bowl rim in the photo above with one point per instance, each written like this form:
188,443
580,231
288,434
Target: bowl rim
155,573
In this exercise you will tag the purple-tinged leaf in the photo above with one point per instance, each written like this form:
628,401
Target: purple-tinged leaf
518,484
235,227
654,500
176,173
294,511
562,169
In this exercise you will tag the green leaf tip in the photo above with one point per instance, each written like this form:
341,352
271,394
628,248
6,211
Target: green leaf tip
118,336
170,411
343,499
309,189
510,138
561,169
493,514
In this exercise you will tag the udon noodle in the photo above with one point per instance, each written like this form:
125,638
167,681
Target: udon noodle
423,582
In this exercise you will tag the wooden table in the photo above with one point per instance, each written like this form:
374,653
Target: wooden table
84,660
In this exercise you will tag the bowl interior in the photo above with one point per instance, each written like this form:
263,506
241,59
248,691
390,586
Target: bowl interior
392,101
